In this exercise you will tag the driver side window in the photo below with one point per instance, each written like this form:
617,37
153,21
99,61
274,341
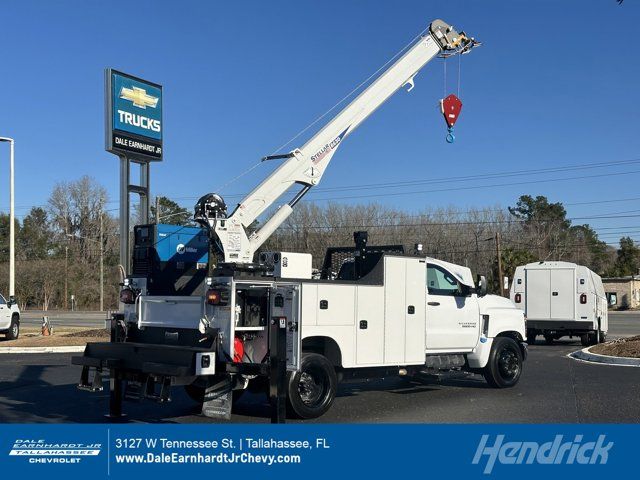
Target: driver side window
2,300
441,282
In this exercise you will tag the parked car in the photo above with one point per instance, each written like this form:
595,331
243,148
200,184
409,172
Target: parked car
9,319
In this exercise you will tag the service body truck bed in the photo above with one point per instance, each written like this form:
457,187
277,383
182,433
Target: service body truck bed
561,299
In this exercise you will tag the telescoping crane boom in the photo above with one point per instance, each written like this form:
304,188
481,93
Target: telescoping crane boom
306,165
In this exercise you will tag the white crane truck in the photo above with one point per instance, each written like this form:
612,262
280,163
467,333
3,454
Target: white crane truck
374,312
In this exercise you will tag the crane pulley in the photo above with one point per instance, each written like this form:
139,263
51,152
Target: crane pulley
450,107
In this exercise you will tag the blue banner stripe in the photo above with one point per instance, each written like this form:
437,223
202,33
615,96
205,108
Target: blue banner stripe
318,451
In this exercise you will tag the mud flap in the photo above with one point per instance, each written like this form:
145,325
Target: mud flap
218,399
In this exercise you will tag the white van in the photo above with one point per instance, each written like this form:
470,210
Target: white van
560,299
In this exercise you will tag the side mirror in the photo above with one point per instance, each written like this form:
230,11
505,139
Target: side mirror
481,289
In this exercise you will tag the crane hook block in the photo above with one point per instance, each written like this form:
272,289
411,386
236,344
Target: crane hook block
450,108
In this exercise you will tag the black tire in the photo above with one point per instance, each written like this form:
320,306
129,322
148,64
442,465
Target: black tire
504,367
585,340
593,337
312,389
602,336
531,336
14,329
548,339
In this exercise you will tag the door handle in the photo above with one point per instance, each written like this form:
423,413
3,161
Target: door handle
433,304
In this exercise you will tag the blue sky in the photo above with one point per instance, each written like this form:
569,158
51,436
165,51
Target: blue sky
555,84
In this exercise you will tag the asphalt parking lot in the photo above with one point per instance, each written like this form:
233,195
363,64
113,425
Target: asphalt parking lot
553,388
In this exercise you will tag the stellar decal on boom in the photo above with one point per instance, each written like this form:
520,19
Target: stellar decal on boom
329,147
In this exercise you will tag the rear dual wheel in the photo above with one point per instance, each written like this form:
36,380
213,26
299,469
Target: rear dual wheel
593,338
602,336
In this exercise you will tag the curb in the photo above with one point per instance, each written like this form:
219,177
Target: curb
70,349
585,355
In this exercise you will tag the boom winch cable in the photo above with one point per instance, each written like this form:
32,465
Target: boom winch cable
341,101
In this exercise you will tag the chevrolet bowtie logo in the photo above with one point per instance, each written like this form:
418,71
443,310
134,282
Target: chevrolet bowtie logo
139,97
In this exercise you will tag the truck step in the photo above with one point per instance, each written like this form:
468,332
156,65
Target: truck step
440,376
96,383
159,391
148,388
134,391
444,362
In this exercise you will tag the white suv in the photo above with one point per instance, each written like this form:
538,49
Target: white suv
9,319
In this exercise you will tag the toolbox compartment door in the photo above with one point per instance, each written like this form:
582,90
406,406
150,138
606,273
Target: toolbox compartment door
170,311
285,303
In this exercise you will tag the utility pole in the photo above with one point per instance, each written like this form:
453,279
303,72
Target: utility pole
66,274
101,242
12,221
498,253
101,264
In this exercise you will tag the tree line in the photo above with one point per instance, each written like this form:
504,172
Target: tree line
58,245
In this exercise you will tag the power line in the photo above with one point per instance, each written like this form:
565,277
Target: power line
573,167
480,176
430,223
472,187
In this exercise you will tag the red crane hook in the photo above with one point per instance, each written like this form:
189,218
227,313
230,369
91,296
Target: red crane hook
450,107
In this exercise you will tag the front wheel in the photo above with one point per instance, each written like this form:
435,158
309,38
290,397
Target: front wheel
14,329
312,389
505,363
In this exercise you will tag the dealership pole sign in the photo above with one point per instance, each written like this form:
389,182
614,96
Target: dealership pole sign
133,127
133,117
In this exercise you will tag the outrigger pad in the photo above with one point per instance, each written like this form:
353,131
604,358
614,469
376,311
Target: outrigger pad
218,399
